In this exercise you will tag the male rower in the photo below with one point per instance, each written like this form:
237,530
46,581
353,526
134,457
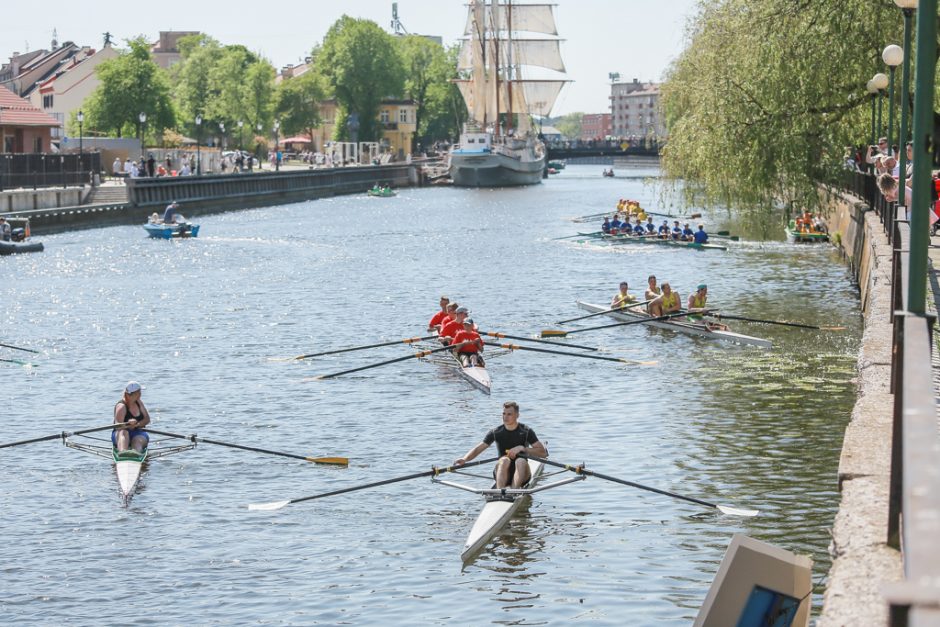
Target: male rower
664,230
469,353
512,438
450,330
676,230
698,304
650,227
623,297
700,237
688,235
639,229
652,290
615,224
668,302
435,323
605,228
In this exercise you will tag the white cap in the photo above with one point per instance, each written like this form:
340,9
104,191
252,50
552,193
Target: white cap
132,387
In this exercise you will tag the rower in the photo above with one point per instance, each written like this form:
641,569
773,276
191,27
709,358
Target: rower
664,230
435,323
130,410
668,302
650,227
615,225
623,297
640,213
688,234
676,230
452,327
169,214
698,303
605,228
469,353
512,438
639,229
652,290
700,236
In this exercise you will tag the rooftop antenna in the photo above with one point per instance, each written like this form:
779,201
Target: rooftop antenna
55,39
397,27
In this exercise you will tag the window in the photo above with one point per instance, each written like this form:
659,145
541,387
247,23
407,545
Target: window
37,147
384,116
403,115
47,101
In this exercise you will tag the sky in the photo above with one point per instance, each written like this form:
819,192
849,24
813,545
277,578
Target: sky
636,38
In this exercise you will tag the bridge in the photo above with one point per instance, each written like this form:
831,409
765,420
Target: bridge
569,150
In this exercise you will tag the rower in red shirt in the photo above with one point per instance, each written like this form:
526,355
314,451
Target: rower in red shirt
469,354
435,322
455,326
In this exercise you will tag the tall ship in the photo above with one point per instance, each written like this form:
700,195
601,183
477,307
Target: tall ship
499,145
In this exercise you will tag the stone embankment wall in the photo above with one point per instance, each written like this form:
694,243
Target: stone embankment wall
862,559
46,198
218,193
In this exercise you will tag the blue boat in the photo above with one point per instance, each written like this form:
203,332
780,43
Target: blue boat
171,231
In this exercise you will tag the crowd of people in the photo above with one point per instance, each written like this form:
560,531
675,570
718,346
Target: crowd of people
631,219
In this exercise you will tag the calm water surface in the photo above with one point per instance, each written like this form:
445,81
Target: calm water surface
198,323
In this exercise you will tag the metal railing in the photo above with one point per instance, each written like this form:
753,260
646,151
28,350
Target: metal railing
914,493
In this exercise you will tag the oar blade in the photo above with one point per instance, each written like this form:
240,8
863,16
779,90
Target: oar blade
334,461
832,328
553,333
737,511
268,507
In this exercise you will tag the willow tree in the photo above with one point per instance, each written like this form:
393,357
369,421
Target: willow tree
763,101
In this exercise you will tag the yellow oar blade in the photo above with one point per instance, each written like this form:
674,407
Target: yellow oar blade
335,461
832,328
268,507
553,333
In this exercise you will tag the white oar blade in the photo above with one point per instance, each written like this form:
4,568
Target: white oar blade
734,511
268,507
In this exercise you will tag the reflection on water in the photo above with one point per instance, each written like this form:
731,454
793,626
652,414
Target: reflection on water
197,322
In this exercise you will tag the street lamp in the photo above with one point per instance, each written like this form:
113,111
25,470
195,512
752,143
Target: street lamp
143,130
892,56
81,161
241,137
873,91
198,138
258,148
907,8
277,146
879,81
222,141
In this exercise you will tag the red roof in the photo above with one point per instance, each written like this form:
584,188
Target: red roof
16,111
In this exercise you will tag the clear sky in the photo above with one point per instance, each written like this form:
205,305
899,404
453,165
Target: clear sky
636,38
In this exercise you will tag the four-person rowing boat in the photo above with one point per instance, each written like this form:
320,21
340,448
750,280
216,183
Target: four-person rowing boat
684,326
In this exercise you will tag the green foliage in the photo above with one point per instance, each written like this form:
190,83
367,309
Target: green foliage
130,84
762,102
297,103
429,69
362,64
569,125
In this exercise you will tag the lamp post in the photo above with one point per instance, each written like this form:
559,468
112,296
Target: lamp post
241,136
198,141
879,81
221,139
277,146
907,8
143,130
925,69
892,56
257,149
873,92
81,160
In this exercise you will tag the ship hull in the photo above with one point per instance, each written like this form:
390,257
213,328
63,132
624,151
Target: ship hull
494,170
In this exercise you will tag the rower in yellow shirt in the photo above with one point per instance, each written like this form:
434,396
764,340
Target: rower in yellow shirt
623,297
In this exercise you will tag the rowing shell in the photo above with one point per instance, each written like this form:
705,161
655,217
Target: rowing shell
128,465
496,513
690,328
648,239
476,375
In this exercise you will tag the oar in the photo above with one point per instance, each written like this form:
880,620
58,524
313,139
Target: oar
529,339
407,340
63,435
419,354
17,362
581,470
335,461
779,322
591,234
724,235
559,333
611,310
17,348
516,347
694,216
594,215
427,473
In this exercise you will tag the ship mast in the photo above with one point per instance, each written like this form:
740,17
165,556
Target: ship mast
494,19
509,64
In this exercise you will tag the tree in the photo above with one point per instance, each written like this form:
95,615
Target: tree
297,103
762,102
570,125
193,79
130,84
429,70
362,65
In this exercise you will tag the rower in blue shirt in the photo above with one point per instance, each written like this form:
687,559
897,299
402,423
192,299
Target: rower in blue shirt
606,226
615,225
676,230
700,236
688,234
664,229
650,227
639,229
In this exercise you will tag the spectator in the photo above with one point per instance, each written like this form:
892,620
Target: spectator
185,171
116,168
151,166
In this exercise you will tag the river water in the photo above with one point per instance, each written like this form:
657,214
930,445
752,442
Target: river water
199,322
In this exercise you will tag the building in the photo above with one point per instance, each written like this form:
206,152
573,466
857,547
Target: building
398,126
635,110
74,80
22,77
595,126
23,127
165,51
